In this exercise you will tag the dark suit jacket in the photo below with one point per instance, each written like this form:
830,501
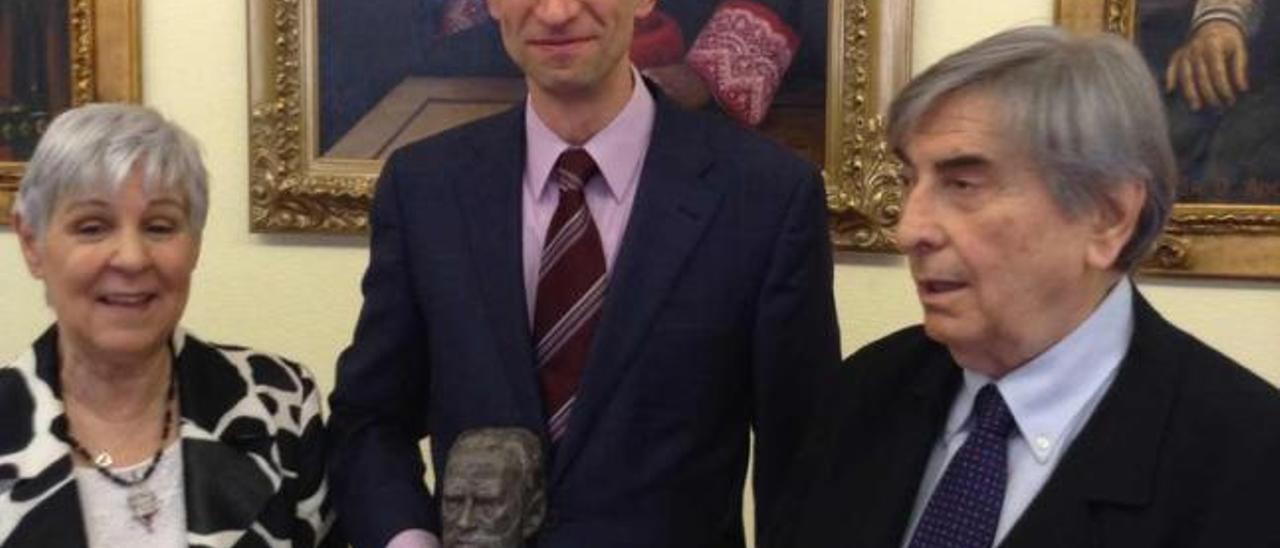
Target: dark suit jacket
718,315
1183,450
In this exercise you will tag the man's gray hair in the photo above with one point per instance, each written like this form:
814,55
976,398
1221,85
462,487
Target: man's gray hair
1086,107
96,148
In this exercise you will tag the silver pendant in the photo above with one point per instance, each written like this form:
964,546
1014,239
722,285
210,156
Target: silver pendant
143,505
104,460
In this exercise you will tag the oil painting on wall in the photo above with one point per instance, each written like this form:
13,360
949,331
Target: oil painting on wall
393,71
35,72
55,54
335,86
1219,62
1218,65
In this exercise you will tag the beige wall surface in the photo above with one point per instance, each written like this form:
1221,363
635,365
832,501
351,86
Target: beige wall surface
299,295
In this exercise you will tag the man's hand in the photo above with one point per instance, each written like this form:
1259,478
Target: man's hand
1210,67
681,84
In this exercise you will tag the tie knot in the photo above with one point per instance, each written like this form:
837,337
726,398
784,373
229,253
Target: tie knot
990,414
574,168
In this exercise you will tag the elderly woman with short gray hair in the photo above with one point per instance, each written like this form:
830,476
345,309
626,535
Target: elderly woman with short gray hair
117,427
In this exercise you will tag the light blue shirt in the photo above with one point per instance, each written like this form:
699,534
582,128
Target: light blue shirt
1051,398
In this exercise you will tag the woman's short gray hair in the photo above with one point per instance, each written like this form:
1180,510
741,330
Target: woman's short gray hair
1087,108
96,148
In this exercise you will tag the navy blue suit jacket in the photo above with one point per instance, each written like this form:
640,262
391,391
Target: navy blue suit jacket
718,319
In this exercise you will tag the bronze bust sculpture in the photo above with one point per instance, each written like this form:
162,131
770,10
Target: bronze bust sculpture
493,489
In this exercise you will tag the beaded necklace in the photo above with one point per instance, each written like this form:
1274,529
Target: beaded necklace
143,504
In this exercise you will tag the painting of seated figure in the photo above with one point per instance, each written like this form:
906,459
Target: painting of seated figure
1218,62
394,71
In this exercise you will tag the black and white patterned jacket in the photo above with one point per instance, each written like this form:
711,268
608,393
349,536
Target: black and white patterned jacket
252,450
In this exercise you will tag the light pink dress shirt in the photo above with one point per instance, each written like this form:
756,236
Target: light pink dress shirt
619,150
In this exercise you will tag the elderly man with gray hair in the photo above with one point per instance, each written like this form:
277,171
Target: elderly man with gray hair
1043,402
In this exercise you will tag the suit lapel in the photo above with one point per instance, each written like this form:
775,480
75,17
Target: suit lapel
674,204
229,472
489,187
224,489
900,460
1113,460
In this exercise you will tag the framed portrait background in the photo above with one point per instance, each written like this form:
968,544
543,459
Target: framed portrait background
55,54
1225,130
334,88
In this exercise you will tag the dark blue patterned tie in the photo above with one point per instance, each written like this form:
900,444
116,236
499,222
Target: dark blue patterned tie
965,507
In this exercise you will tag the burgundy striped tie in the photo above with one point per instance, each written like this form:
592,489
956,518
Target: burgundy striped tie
571,284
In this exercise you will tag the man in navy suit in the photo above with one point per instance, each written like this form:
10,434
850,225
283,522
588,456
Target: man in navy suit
642,286
1043,402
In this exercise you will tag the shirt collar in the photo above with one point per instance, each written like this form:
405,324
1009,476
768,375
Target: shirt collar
617,149
1047,393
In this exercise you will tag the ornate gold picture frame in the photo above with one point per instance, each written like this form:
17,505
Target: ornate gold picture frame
1206,238
870,59
294,188
104,65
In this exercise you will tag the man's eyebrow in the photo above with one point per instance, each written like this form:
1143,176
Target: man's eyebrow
962,161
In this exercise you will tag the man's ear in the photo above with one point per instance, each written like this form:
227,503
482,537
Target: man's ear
535,510
1113,223
493,7
30,244
645,7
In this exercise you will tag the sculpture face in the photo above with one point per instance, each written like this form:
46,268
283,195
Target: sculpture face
483,503
492,496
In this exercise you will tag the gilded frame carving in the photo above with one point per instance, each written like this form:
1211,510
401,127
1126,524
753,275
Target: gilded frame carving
105,66
1204,240
870,58
293,189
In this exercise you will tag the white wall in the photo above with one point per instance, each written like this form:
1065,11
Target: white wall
298,295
